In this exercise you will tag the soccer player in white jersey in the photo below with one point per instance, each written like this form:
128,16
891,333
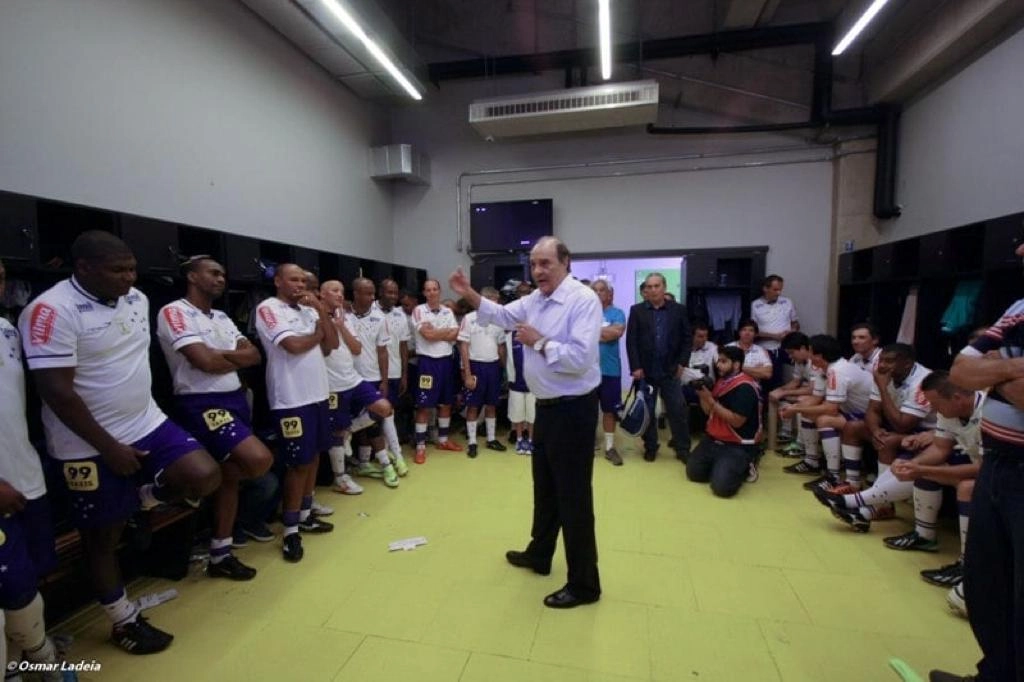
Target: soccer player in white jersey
756,362
797,348
370,327
482,353
399,334
864,340
204,352
948,456
297,333
775,316
26,528
898,408
436,332
86,341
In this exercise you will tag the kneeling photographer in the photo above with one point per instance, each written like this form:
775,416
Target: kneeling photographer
727,454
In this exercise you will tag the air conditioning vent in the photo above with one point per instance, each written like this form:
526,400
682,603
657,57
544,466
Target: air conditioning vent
399,162
600,106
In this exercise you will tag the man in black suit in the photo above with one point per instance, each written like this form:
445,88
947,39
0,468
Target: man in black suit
658,345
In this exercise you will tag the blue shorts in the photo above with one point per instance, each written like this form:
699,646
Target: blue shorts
98,497
852,416
27,552
304,432
362,396
488,383
338,414
436,385
610,394
220,421
393,387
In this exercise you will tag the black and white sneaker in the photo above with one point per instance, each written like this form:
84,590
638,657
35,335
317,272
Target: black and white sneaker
292,547
496,446
230,567
853,518
803,468
911,541
315,525
824,482
829,498
947,576
140,638
471,450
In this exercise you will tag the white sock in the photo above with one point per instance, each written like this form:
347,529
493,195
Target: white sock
219,543
443,423
121,611
348,443
471,430
963,533
364,453
491,423
886,490
27,631
382,457
609,441
337,455
852,455
926,511
808,436
830,444
391,434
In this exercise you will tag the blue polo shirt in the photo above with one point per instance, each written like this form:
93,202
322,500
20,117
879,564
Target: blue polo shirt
611,365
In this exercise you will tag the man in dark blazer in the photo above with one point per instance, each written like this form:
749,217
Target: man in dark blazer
658,345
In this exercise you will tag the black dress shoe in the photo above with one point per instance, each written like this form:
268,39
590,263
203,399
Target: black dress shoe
564,599
650,455
524,560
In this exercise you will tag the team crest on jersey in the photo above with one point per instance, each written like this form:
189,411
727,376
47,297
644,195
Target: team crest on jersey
83,307
268,317
44,317
175,320
10,334
132,298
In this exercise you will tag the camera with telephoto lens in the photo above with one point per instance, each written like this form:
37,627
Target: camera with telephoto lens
705,380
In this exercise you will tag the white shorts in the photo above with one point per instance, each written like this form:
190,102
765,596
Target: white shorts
522,407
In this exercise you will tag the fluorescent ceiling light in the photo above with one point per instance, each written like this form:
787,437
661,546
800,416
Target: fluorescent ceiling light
604,19
855,31
353,26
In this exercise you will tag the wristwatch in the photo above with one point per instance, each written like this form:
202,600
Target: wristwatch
539,346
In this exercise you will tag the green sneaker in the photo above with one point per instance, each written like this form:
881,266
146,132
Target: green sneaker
794,449
401,468
390,476
371,469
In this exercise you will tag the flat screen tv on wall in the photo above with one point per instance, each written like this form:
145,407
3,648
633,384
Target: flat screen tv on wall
509,225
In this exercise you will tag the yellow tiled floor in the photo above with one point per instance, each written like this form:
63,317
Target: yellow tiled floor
766,586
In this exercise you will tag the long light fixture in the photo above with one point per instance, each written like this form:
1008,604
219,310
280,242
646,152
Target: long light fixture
604,19
372,47
851,35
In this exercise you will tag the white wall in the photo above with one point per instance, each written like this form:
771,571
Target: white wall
962,151
187,110
787,207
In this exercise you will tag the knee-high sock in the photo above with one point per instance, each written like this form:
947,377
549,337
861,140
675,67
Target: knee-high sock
118,607
443,424
831,446
963,507
852,455
491,424
421,435
927,501
382,457
27,631
471,430
886,490
808,437
391,434
337,455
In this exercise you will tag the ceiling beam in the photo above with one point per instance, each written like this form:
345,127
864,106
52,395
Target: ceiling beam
743,13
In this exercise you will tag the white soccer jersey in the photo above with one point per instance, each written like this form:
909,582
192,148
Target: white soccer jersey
398,331
442,318
483,340
412,333
19,461
755,356
908,396
868,364
372,331
966,434
292,379
107,344
706,355
848,386
181,324
341,368
810,375
773,318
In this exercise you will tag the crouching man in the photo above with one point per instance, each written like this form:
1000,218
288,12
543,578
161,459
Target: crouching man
727,454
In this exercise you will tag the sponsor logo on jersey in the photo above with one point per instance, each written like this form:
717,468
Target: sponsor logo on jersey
175,319
44,317
268,317
920,399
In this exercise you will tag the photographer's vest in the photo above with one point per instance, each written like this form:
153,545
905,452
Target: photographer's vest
720,430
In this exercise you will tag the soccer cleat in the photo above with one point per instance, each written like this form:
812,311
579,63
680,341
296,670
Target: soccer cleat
955,600
321,509
496,446
471,451
258,532
614,457
230,567
829,498
449,446
401,468
802,467
390,476
943,676
346,486
844,489
784,437
946,576
293,548
752,473
828,481
911,541
421,455
140,638
794,449
853,518
315,526
369,469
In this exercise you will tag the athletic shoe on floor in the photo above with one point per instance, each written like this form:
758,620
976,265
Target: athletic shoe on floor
346,486
853,518
315,526
955,600
829,498
421,455
139,637
827,481
258,532
401,468
802,467
614,457
471,451
321,509
947,576
369,469
752,473
794,449
390,476
496,446
292,549
911,541
230,567
449,446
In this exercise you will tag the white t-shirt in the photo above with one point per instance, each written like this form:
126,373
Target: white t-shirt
19,461
372,331
773,318
810,375
966,434
107,343
869,364
442,318
181,324
292,379
398,331
341,368
483,339
848,386
705,355
755,356
909,397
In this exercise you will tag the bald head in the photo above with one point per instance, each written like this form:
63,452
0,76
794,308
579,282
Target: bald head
363,292
332,293
290,282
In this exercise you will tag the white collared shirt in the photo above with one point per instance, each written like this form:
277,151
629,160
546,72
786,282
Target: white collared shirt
773,318
398,331
442,318
966,434
341,368
293,379
909,397
706,355
483,339
107,343
181,324
755,356
372,331
848,386
19,461
868,364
